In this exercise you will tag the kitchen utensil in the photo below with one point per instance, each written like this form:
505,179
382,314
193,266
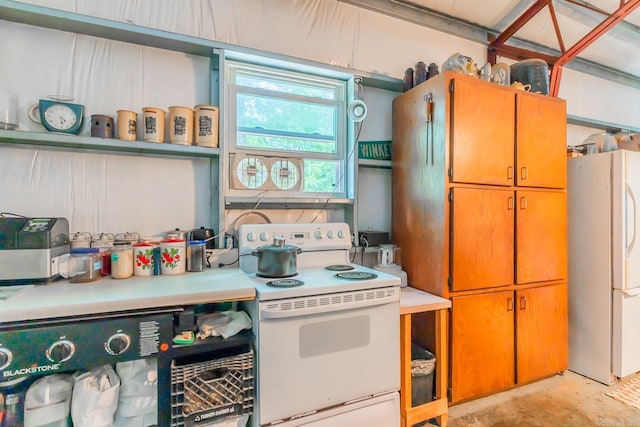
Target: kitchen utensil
196,255
520,86
30,249
202,233
143,259
127,125
501,74
153,124
534,72
8,110
128,237
80,240
206,121
57,116
181,125
177,234
101,126
121,261
82,265
277,259
172,256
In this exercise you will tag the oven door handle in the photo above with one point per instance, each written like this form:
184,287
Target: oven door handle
287,310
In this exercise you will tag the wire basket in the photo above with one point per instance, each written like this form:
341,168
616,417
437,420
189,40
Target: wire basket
210,391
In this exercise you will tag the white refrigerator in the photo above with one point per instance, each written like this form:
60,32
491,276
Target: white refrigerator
604,265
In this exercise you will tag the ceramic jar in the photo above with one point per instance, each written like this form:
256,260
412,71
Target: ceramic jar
127,125
181,125
143,260
206,124
172,256
153,124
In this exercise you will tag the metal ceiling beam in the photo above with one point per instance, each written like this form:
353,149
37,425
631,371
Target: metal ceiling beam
617,16
466,30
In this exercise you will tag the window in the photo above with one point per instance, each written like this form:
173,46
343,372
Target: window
281,121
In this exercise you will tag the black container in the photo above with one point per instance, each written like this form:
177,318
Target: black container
421,377
534,72
203,234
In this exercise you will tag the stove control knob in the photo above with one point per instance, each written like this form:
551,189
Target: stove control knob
340,234
252,237
319,235
61,351
330,234
117,344
5,357
264,236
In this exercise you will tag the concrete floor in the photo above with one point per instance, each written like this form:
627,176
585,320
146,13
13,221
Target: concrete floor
563,400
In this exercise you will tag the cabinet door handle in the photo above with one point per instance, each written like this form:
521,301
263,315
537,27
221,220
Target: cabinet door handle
509,304
510,203
523,202
510,172
523,172
523,303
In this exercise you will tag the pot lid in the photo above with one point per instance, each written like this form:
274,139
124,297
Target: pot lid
278,245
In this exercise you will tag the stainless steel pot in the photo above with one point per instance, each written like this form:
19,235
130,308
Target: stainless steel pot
277,260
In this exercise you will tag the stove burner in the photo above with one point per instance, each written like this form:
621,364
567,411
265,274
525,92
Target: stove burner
355,275
285,283
265,276
339,267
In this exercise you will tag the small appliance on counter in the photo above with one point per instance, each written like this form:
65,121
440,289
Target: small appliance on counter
386,264
30,249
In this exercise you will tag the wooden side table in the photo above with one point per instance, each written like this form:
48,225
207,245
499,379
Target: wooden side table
416,301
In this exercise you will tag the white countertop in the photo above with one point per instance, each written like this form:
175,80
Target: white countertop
61,298
416,301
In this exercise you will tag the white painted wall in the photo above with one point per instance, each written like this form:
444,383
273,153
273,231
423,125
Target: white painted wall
117,193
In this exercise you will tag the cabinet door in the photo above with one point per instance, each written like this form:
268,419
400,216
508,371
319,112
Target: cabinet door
542,335
481,241
541,236
482,344
482,132
541,141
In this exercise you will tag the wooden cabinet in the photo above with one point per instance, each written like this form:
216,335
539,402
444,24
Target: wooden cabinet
480,213
542,331
482,344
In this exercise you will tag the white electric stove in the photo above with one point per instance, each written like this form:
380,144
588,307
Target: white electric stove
328,337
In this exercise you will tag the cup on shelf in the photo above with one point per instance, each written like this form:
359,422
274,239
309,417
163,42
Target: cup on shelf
8,110
127,125
153,124
181,125
206,123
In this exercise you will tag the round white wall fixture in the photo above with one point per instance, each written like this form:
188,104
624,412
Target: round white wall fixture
357,110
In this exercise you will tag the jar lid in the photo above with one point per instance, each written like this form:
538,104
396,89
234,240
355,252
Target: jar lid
196,242
137,245
172,241
84,251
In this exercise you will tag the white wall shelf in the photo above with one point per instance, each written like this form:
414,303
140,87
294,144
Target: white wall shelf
66,141
381,164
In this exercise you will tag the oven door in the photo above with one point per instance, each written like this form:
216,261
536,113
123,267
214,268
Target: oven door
322,351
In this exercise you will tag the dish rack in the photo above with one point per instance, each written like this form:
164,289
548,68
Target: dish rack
208,391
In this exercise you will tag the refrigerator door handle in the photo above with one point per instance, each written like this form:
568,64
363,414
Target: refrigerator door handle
629,245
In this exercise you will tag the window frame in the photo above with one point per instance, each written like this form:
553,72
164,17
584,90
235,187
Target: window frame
296,73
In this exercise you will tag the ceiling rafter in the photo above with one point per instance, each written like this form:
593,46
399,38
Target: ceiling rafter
497,45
